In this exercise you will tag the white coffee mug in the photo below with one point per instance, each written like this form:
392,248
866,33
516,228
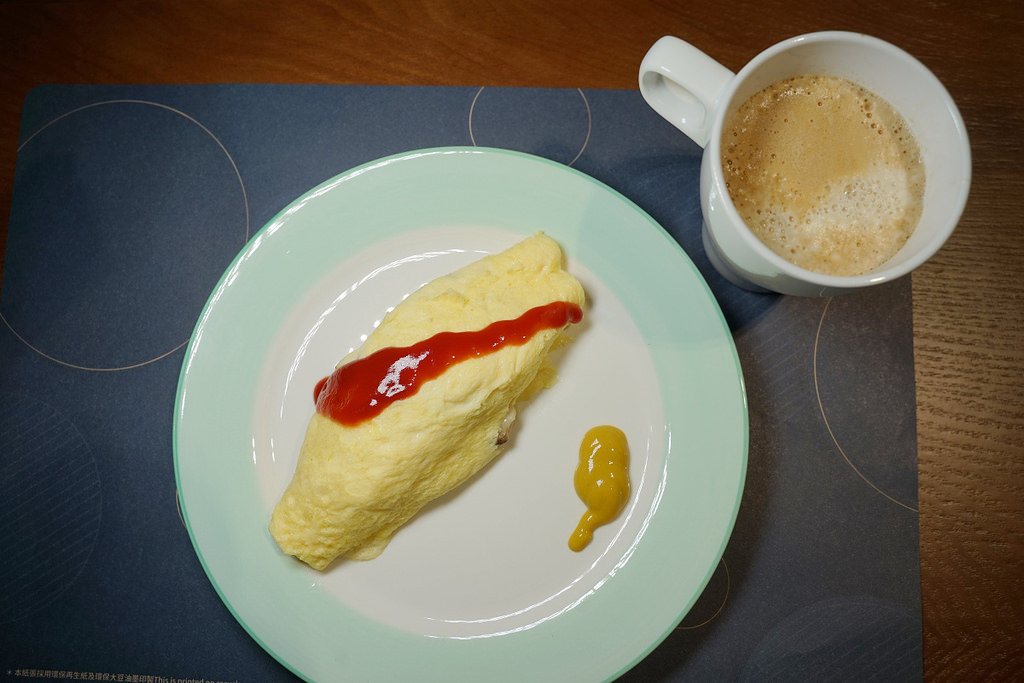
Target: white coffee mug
696,94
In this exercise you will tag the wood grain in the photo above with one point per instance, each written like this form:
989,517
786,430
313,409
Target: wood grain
968,301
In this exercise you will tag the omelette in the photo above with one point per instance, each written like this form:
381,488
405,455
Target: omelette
426,401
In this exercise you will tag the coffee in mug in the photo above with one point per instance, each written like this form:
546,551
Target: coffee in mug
841,205
824,172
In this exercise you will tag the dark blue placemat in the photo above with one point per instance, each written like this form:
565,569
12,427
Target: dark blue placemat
128,204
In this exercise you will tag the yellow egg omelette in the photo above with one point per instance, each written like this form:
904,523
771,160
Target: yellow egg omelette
355,484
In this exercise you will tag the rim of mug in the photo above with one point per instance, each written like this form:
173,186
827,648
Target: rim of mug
882,273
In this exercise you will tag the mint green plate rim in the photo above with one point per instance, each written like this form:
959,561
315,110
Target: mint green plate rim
704,400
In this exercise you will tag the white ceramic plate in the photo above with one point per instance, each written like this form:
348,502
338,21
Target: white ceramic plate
482,585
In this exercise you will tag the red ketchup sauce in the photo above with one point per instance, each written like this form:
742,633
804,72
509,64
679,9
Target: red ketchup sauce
362,389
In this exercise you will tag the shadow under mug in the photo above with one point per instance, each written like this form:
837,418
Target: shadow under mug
696,94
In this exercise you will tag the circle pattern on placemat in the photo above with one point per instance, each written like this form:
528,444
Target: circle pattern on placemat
50,505
853,374
132,209
711,602
554,124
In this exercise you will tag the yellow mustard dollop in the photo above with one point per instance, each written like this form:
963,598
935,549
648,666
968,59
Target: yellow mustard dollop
601,481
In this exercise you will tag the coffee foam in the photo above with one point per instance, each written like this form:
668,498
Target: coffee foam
825,173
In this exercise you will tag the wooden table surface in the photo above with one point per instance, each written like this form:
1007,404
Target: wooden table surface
968,301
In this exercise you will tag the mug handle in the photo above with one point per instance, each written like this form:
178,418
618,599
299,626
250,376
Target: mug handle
682,84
